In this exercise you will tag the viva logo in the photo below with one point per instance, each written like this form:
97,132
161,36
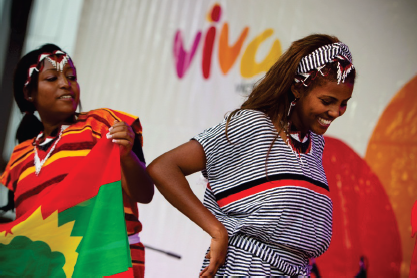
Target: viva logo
227,53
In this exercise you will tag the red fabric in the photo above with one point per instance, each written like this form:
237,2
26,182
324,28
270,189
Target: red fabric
127,274
94,176
70,153
137,252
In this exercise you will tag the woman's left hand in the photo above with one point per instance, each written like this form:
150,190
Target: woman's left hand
122,134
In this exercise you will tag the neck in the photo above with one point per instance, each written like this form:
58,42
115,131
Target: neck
302,134
296,126
290,127
48,128
49,125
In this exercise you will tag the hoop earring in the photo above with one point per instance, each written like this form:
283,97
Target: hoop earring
293,103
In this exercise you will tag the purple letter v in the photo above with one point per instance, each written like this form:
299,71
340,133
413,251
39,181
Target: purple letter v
182,58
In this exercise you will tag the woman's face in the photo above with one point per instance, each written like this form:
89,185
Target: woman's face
317,109
58,92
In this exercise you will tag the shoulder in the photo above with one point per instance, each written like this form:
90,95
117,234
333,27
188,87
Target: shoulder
107,116
236,127
20,153
22,149
319,141
249,115
246,119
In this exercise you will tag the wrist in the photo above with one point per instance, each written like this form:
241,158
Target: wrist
128,157
219,232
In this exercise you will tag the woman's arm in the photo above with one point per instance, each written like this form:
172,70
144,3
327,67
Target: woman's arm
168,172
135,180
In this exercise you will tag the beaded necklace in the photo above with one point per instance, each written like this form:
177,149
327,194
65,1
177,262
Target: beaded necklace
294,141
39,163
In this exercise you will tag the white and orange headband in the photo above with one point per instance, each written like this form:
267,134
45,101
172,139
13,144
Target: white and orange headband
322,56
59,62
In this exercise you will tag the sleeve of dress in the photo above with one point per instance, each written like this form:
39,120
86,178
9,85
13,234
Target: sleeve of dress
5,177
322,142
209,139
12,172
221,148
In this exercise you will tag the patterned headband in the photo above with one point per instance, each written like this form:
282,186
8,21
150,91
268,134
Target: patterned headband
322,56
58,63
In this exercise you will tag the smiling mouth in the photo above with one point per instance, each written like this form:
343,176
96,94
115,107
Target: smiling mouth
66,97
324,122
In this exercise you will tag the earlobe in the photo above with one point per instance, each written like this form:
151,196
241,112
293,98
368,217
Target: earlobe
27,94
295,91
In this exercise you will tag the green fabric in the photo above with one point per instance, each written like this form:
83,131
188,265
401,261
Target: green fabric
36,256
104,249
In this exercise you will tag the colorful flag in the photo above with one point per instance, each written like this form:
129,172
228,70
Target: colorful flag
77,226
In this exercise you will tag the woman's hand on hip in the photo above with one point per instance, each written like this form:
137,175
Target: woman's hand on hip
216,255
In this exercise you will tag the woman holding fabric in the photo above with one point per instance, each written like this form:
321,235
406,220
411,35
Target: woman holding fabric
266,205
46,81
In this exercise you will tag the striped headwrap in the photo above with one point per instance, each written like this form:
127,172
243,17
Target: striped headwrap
322,56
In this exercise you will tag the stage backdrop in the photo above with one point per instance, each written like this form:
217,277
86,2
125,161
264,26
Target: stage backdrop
181,65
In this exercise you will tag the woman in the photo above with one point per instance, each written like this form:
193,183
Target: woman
266,205
46,81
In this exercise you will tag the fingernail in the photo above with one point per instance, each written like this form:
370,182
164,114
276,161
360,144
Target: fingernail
114,140
108,136
110,128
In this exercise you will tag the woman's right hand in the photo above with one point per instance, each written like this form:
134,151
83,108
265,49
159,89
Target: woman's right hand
216,255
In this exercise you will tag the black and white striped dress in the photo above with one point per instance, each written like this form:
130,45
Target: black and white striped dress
277,211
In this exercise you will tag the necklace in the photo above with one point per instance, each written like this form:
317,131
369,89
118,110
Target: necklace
39,163
289,143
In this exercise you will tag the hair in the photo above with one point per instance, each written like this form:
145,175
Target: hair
30,126
272,94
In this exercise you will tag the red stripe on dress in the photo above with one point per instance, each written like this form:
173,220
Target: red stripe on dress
75,146
84,128
100,118
21,156
137,246
270,185
65,147
33,192
137,252
25,145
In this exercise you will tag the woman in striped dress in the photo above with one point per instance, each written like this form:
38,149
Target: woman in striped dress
267,205
46,81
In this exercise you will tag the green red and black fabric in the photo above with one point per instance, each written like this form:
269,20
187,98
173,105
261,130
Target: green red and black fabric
76,228
77,143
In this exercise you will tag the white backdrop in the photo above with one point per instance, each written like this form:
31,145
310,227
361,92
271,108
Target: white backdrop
125,60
